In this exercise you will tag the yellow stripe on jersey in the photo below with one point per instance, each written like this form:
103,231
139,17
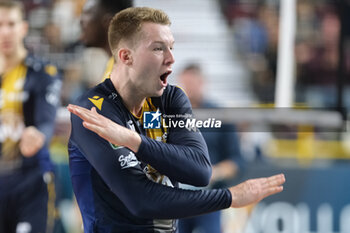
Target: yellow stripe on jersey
12,90
11,110
108,69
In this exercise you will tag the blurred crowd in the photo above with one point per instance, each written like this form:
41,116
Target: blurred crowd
54,34
256,25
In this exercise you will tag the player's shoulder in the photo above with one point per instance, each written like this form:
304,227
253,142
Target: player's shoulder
94,97
174,94
171,93
173,98
40,67
172,90
102,98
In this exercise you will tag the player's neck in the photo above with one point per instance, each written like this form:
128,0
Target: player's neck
132,98
12,60
132,101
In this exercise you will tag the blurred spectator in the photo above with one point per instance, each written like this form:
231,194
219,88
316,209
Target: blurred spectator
30,90
52,34
72,85
94,62
65,15
94,23
256,33
223,147
255,25
318,60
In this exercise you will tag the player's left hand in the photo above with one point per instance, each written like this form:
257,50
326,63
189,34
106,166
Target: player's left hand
32,141
106,128
254,190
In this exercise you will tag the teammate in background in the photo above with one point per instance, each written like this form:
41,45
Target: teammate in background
126,176
30,92
94,22
223,148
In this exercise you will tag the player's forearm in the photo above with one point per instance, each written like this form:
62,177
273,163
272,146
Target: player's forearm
169,203
187,164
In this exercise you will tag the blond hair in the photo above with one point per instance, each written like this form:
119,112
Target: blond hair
13,5
127,23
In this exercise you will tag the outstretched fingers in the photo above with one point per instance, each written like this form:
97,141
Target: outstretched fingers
93,127
273,185
272,190
90,116
254,190
275,180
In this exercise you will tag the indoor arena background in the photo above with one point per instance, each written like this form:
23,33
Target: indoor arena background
238,43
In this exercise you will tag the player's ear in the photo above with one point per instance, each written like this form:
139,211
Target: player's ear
124,56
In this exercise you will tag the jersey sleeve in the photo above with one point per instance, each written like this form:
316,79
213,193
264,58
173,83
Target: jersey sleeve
184,157
47,99
121,171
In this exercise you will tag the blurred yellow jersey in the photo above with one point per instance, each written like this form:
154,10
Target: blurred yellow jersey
108,69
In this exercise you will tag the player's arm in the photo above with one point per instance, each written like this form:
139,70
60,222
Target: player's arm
185,156
45,99
122,173
187,163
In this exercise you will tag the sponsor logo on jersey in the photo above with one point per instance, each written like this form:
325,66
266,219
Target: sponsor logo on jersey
97,101
128,161
151,120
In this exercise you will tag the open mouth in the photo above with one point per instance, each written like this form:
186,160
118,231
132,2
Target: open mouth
164,77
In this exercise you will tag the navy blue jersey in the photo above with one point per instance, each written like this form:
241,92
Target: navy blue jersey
29,96
120,191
